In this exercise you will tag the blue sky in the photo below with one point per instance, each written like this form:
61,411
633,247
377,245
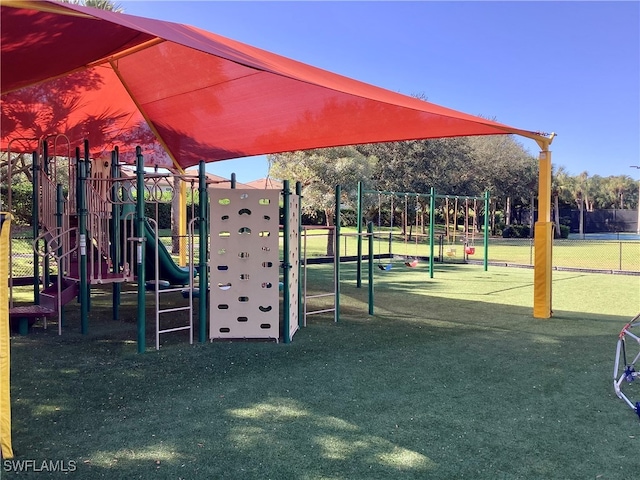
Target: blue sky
568,67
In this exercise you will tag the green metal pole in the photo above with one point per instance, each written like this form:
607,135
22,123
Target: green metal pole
140,223
286,334
36,231
337,252
202,261
486,230
300,295
432,209
82,236
115,232
359,225
370,237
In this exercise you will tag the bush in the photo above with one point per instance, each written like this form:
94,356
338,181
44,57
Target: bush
564,231
516,231
22,204
164,213
313,218
348,217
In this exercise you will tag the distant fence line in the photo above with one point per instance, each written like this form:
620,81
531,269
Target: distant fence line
615,255
599,221
607,256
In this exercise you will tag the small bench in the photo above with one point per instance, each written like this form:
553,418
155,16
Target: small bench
21,318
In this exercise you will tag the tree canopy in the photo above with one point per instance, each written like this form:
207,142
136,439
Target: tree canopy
466,166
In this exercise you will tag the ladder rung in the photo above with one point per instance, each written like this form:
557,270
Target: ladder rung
321,295
177,309
320,311
168,290
188,327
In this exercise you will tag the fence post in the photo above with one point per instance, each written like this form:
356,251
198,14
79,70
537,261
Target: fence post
359,237
432,209
486,231
338,193
370,272
620,255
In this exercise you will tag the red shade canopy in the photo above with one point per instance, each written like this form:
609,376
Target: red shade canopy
174,89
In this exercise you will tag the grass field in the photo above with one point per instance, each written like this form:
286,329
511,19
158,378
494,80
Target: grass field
451,378
597,255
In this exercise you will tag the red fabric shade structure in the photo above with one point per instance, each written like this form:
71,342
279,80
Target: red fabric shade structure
187,95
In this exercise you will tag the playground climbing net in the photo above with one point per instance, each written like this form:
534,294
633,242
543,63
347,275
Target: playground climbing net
627,356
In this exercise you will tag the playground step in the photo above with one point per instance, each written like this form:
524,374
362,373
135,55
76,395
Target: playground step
24,316
49,296
21,318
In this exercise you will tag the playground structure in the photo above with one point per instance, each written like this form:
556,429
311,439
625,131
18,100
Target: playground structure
450,232
627,356
94,231
95,234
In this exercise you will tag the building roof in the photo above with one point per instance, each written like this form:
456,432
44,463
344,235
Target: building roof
215,181
265,184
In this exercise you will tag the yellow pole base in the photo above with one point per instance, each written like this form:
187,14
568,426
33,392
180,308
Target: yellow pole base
5,360
543,244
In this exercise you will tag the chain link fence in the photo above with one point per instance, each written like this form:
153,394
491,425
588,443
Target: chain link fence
22,255
598,255
608,253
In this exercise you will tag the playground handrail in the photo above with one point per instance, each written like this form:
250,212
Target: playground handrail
98,219
53,243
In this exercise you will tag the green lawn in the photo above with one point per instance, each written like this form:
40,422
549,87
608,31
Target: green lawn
451,378
598,255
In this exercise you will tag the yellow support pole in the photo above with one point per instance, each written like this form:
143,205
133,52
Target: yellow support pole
182,224
543,240
5,360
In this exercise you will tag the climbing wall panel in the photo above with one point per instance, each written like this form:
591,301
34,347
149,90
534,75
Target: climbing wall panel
294,261
244,264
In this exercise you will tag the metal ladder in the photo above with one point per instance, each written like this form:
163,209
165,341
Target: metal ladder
306,296
158,290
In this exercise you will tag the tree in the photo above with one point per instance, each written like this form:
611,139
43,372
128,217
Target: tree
502,166
418,165
560,181
622,187
99,4
319,171
598,193
580,191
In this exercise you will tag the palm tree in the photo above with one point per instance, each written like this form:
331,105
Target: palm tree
99,4
579,187
560,180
